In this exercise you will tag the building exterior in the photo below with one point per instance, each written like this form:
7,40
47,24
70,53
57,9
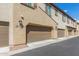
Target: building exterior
77,29
34,24
66,24
23,23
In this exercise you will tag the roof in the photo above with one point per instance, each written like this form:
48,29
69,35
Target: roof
52,4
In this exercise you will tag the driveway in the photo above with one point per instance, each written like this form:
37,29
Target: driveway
65,48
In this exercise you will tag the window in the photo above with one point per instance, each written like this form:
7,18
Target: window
32,5
72,22
63,18
56,12
67,20
29,4
48,9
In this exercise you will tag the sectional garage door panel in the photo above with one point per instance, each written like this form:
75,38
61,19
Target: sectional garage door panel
61,33
38,33
69,32
4,30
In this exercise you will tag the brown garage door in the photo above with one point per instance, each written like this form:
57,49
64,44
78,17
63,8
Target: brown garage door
4,30
69,32
37,33
61,33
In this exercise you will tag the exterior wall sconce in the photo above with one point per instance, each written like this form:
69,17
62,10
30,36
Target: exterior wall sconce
20,23
22,17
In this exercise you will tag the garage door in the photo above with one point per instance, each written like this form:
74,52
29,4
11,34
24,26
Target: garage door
61,33
37,33
4,37
69,32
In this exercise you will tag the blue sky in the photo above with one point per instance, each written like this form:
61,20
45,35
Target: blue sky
71,8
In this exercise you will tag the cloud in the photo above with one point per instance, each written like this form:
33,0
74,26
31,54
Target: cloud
65,10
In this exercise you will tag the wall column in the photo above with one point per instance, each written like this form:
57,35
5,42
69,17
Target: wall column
54,32
73,32
66,32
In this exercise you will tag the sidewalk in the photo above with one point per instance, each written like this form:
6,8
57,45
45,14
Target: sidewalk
36,45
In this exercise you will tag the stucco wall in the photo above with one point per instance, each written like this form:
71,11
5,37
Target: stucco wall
7,16
5,11
58,18
36,16
77,29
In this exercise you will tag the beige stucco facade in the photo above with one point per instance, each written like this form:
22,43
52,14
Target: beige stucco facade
77,30
31,16
20,16
38,17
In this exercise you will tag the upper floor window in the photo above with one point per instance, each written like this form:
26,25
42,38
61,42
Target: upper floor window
32,5
72,22
29,4
56,12
68,21
48,9
63,18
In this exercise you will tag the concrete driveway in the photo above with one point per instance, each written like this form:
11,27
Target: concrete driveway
65,48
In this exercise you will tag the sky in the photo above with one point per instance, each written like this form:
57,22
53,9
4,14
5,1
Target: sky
70,8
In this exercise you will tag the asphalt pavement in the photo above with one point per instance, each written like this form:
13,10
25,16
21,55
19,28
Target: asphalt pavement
65,48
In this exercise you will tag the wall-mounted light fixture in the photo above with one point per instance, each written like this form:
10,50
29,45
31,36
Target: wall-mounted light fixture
20,22
22,17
